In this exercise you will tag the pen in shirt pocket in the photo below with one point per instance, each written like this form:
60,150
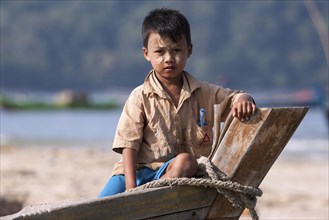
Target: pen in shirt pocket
202,117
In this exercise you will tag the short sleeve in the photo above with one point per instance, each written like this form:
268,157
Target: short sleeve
129,132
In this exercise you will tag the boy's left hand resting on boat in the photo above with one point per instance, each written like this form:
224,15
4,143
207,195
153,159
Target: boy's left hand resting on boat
244,107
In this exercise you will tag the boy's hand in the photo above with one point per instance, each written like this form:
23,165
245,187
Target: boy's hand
244,107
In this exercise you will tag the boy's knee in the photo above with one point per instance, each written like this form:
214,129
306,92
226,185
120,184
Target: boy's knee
187,158
187,164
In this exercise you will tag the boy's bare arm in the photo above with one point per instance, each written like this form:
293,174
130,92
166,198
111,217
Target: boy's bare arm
244,107
129,164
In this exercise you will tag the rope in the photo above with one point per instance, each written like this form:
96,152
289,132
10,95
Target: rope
239,195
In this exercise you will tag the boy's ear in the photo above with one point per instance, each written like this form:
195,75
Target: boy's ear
146,54
189,50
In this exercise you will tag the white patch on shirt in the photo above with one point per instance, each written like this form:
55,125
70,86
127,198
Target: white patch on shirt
160,150
159,134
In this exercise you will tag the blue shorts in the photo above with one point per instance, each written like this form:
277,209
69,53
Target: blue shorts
117,183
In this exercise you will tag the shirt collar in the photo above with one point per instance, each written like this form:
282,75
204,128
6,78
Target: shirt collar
152,85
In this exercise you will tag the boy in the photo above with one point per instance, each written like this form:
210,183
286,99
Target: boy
160,133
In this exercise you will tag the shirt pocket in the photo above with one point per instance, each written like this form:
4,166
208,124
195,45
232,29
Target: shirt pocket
202,140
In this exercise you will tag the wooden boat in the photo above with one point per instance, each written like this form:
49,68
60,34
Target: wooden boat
245,151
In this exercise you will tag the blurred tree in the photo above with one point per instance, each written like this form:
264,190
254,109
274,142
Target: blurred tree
93,45
320,25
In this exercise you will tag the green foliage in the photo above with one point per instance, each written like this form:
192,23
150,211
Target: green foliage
10,103
93,45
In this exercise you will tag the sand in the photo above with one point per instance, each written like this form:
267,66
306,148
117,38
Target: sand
293,189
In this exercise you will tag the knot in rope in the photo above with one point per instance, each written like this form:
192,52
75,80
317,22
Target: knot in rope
239,195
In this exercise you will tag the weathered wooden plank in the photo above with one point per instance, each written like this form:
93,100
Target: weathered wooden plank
249,149
195,214
135,205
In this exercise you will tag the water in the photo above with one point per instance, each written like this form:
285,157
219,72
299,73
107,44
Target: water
97,129
53,128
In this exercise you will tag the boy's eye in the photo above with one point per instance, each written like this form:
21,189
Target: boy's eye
178,50
158,51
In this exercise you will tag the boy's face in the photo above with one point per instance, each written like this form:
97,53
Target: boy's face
167,58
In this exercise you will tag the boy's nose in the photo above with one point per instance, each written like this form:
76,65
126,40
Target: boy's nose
168,57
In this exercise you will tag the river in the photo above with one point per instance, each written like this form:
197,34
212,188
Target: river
86,128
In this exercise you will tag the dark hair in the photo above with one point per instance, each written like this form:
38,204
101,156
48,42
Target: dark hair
167,23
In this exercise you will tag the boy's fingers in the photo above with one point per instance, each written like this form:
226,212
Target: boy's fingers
251,109
240,111
244,108
254,109
248,109
233,112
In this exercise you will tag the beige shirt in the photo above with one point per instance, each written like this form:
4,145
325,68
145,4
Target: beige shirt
152,125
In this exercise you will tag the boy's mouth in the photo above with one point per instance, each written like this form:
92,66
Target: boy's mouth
169,68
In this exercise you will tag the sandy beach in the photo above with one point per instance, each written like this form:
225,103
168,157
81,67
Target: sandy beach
293,189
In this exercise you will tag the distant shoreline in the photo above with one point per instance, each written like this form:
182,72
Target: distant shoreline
7,104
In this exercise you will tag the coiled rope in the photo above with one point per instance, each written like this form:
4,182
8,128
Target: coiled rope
239,195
